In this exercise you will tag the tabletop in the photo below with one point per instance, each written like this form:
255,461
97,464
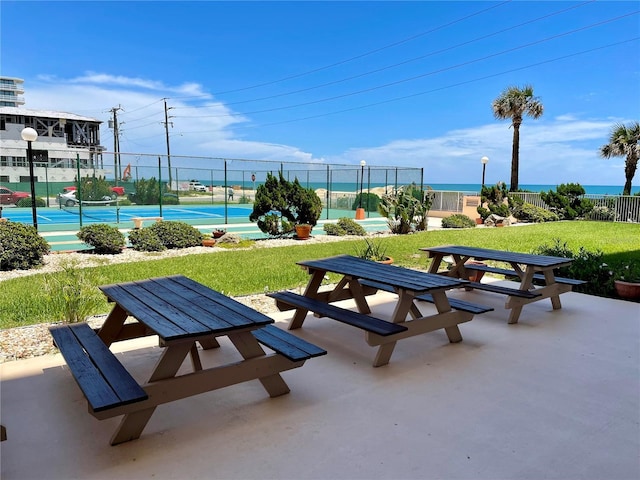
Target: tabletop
499,255
395,276
176,307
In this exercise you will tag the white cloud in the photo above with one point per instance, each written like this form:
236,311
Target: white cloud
558,150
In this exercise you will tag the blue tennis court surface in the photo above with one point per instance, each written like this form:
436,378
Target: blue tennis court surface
110,214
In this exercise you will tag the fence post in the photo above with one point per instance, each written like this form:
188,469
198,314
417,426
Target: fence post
79,188
226,204
160,183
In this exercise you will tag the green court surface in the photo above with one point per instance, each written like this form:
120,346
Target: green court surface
63,237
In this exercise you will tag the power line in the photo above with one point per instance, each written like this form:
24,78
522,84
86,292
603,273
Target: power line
356,57
388,67
415,77
395,99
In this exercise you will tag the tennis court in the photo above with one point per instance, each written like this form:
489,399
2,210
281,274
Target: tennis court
111,214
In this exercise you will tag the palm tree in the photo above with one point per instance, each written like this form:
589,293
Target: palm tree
513,103
623,141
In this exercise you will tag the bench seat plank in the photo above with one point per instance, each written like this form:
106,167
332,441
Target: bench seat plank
356,319
427,297
512,273
101,377
292,347
514,292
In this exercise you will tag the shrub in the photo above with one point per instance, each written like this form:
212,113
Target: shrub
280,205
370,202
21,248
344,226
170,199
177,234
601,212
333,229
458,221
527,212
566,201
94,188
588,266
104,238
145,240
494,197
148,193
72,293
26,202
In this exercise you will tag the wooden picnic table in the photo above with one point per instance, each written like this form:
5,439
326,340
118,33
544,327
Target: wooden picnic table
361,278
527,267
180,312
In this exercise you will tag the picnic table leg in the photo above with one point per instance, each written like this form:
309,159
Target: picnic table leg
550,279
112,325
435,262
442,305
402,309
311,291
526,281
249,347
132,424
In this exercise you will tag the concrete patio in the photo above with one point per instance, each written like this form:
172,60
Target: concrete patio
556,396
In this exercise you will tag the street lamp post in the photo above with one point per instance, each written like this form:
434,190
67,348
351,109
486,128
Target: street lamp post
29,135
484,161
360,210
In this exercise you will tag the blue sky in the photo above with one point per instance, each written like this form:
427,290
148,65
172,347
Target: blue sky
393,83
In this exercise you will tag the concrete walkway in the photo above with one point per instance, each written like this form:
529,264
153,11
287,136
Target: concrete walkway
556,396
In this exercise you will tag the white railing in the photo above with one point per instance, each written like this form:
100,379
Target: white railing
613,208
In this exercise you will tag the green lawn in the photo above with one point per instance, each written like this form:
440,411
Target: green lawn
240,272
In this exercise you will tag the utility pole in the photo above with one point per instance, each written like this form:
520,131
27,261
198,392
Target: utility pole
166,131
116,143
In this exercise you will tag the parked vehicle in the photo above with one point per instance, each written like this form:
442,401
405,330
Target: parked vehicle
197,186
9,197
69,199
117,190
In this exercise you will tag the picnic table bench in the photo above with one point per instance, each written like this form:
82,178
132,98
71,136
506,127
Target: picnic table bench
138,221
526,267
362,278
182,313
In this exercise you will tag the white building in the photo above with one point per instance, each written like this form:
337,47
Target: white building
62,139
10,90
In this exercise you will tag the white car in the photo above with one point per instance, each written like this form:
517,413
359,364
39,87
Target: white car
197,186
68,198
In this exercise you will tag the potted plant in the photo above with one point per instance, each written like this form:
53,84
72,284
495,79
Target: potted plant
282,207
373,250
207,241
218,232
627,280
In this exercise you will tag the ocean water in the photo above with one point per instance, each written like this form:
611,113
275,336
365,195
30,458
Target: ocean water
475,188
448,187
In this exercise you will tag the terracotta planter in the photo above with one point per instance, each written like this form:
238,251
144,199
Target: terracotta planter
479,221
386,261
359,213
208,242
475,275
629,290
218,233
303,231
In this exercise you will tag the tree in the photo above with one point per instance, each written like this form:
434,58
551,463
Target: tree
512,104
280,205
623,142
